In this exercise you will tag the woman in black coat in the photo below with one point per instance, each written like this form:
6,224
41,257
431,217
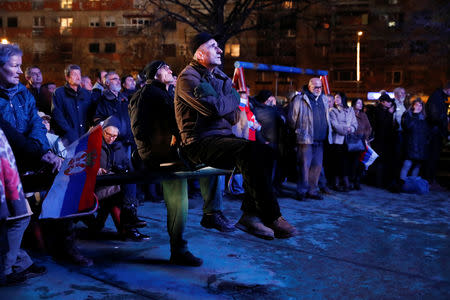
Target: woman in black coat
383,143
416,132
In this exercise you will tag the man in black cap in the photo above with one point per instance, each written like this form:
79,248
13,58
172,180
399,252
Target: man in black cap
156,134
206,106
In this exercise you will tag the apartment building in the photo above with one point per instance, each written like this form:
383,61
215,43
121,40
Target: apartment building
121,35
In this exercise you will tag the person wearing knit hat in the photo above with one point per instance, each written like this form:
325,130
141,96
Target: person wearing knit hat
206,50
199,39
206,108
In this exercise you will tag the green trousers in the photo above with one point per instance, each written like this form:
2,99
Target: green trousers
176,198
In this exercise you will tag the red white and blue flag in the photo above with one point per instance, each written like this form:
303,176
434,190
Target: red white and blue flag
368,156
72,192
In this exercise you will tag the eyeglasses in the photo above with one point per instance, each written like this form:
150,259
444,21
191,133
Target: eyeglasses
113,136
318,87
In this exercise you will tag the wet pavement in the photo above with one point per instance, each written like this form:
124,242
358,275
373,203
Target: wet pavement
368,244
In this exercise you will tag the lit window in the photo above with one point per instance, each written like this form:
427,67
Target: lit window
233,49
288,4
66,4
94,22
65,25
110,22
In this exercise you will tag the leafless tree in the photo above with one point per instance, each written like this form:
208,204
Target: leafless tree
227,18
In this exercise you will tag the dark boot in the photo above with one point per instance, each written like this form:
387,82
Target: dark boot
129,218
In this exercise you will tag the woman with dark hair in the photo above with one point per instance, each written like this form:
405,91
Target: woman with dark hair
343,122
416,131
364,129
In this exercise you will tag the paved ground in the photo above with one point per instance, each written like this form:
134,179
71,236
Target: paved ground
361,245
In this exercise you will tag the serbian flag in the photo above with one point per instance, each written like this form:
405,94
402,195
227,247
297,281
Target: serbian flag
368,156
72,192
326,86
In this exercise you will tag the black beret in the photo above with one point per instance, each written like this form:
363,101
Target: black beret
151,69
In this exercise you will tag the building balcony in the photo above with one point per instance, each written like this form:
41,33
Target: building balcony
126,29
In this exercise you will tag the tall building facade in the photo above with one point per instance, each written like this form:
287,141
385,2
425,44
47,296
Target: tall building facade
122,35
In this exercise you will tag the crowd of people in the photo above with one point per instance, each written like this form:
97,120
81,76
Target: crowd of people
196,118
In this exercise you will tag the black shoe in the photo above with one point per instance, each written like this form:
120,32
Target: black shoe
299,197
74,256
218,221
185,259
14,279
134,235
34,271
314,196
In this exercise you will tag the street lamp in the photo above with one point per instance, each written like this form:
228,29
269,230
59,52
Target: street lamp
358,57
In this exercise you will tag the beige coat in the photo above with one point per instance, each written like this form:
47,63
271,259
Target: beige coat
341,119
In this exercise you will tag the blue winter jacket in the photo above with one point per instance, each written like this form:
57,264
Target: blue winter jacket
20,112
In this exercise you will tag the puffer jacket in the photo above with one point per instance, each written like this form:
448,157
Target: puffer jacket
13,204
206,104
300,118
341,119
20,112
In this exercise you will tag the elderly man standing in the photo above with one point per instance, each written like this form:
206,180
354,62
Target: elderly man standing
308,116
206,107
